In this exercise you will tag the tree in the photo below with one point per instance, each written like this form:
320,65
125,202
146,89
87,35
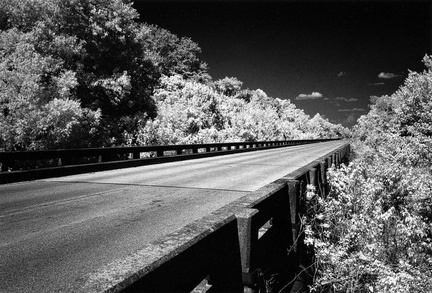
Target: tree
229,86
414,109
322,128
38,109
173,55
188,113
90,50
105,60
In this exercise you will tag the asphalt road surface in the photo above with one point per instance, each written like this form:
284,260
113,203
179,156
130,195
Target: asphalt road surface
53,232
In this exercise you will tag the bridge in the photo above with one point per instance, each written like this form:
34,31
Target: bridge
158,224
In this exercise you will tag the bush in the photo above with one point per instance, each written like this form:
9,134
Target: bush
373,232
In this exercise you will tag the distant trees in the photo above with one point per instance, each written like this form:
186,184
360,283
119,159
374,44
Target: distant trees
373,232
322,128
193,112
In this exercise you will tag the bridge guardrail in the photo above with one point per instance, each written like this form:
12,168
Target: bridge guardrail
228,239
70,161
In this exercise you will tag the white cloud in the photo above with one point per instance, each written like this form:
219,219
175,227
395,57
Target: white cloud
345,99
312,96
387,75
352,110
342,73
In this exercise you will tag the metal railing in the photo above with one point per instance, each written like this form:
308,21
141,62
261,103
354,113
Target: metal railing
29,165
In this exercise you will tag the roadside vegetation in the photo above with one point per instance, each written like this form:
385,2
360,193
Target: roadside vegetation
373,232
86,73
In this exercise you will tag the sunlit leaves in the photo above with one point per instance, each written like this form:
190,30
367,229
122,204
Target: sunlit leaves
71,51
192,112
171,54
381,202
229,86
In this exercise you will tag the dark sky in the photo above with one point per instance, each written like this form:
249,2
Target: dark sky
327,57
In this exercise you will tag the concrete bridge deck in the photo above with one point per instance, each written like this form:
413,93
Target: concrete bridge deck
55,231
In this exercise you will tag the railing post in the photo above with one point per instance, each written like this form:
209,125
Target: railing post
136,155
293,193
323,171
159,153
329,162
313,177
248,237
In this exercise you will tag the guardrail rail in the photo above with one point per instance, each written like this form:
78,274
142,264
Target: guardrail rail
20,165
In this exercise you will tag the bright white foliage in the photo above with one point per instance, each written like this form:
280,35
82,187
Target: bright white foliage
193,112
373,233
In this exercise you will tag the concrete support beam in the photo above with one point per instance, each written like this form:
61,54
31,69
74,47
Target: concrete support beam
313,180
248,237
293,193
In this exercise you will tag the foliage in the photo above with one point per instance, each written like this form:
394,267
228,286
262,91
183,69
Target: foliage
171,54
373,232
85,73
38,109
193,112
92,55
322,128
188,113
229,86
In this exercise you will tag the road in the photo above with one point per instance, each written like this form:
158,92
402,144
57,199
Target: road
55,231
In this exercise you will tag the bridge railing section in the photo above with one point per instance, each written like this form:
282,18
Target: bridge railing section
238,248
29,165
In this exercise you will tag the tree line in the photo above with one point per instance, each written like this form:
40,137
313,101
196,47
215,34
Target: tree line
87,73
